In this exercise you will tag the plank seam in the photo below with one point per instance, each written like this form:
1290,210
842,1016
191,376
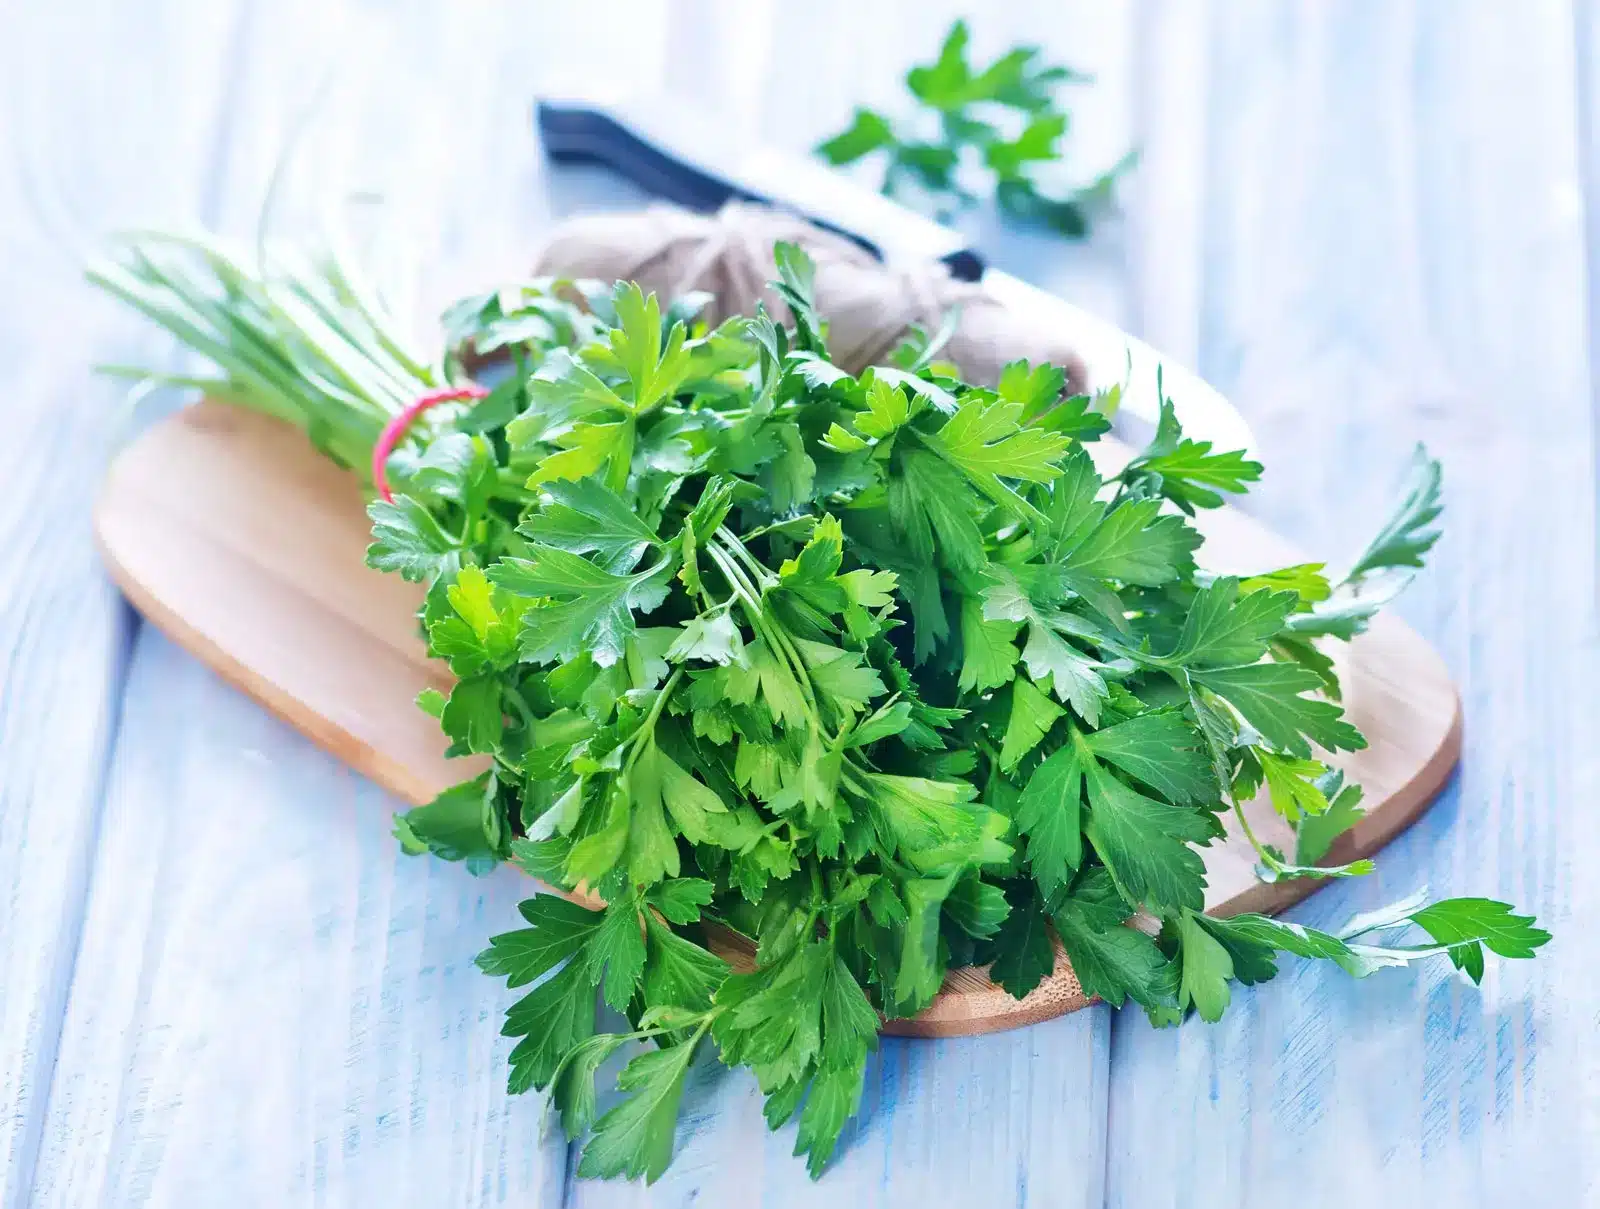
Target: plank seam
70,933
70,939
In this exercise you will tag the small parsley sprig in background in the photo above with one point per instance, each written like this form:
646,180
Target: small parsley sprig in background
870,675
1002,123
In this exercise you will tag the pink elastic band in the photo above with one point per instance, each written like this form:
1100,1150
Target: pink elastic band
396,428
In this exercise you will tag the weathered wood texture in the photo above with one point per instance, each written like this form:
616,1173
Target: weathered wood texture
1392,223
63,632
270,1006
1367,221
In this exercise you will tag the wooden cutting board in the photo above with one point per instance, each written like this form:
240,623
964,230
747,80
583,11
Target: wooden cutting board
245,546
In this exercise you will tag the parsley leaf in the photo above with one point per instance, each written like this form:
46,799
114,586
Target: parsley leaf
1207,968
1049,813
928,498
1032,716
1410,532
1316,832
678,972
460,824
653,371
964,100
1146,843
1034,388
635,1138
585,517
916,814
1463,927
989,652
680,900
1269,697
1292,785
1113,962
1025,952
835,1096
976,907
1186,472
1133,543
1223,627
1388,565
408,540
1075,677
711,637
986,442
559,930
868,131
795,285
552,1019
472,714
588,608
1470,925
562,391
614,955
656,781
1161,750
482,632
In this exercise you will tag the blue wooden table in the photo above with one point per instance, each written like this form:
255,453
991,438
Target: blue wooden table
1367,221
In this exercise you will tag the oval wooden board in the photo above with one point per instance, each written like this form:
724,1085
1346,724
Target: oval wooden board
243,544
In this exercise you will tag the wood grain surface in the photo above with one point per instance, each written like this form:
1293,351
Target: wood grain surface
239,1009
1393,248
241,542
64,634
1367,221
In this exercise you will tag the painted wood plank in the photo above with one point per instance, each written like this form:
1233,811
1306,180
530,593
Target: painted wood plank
1163,203
1393,250
69,166
272,1005
1007,1119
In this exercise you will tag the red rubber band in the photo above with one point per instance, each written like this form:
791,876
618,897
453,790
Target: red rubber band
396,428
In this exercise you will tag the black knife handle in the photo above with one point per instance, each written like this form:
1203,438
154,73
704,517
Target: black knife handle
582,132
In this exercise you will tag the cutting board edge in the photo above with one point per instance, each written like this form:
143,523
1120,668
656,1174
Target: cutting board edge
338,741
968,1015
1380,829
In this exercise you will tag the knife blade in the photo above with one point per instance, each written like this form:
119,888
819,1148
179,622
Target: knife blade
673,151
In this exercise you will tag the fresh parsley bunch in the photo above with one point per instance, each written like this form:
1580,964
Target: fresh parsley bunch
1002,122
855,678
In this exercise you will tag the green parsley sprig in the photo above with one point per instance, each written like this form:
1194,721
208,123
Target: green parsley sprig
879,673
1002,123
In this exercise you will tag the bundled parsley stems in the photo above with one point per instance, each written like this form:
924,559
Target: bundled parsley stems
878,672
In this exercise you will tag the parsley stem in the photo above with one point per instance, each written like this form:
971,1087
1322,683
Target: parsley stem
847,774
801,672
774,635
746,594
786,645
741,589
647,728
620,464
730,540
1267,859
520,704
